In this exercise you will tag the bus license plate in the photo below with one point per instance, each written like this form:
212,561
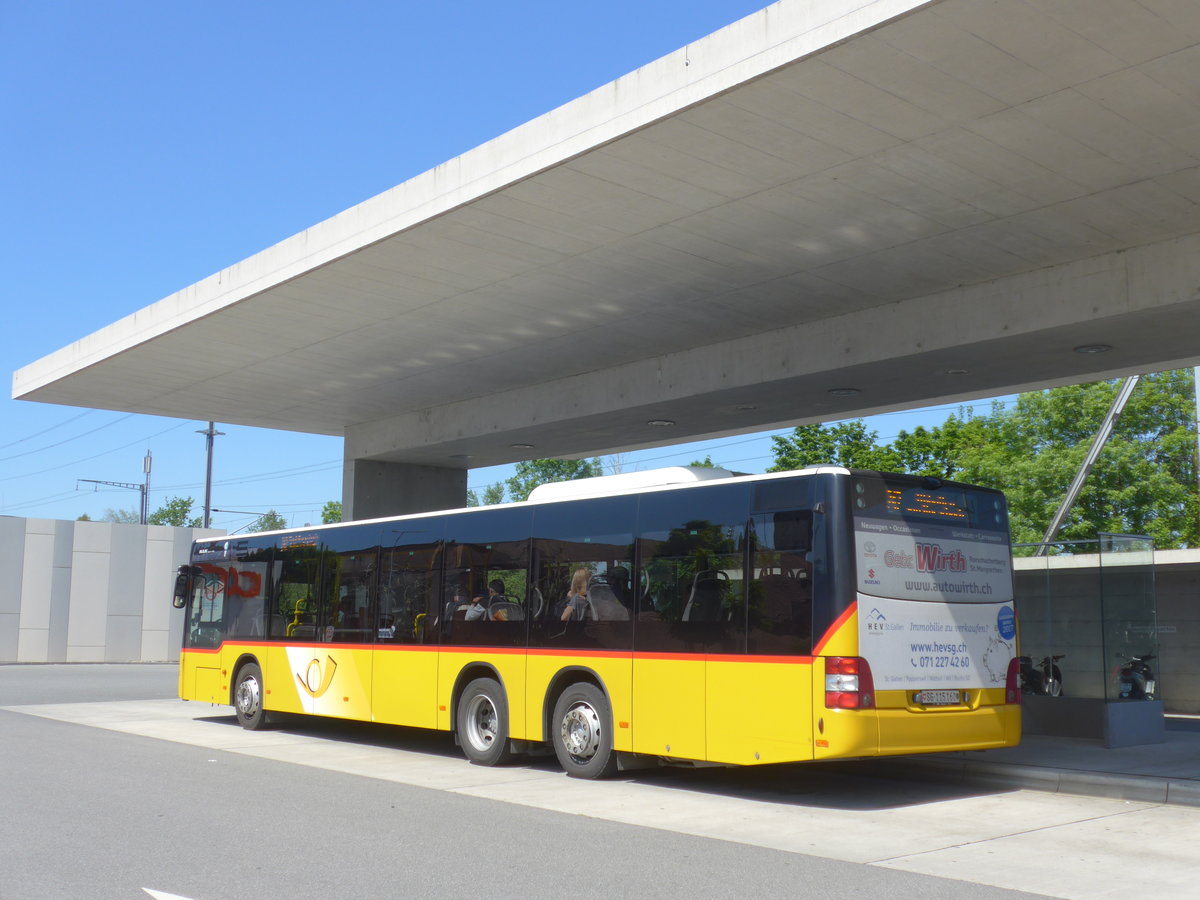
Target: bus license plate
938,698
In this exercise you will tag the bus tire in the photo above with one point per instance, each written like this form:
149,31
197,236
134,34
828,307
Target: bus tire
482,722
581,732
248,697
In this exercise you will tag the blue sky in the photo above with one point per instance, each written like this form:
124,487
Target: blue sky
148,145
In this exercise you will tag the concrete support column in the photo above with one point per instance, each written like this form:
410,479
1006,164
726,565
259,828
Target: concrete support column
373,488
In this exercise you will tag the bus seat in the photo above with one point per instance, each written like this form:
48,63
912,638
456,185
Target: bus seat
707,597
604,605
506,611
780,595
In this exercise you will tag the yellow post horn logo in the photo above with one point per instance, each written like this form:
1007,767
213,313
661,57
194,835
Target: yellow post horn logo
314,681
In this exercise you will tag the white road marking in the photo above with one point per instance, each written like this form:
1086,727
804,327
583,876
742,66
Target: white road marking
163,895
1057,844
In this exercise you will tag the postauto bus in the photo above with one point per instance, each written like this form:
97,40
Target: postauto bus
680,615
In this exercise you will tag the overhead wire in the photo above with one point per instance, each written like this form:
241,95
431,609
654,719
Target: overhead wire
309,469
98,455
39,501
30,437
66,440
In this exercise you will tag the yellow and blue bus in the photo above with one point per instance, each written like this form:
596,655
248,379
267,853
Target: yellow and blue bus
810,615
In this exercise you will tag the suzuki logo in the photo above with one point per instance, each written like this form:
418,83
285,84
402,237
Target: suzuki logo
315,681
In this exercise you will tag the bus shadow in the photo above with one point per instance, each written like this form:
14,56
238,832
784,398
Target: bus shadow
348,731
848,785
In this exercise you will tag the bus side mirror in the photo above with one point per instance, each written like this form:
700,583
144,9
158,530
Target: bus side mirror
180,598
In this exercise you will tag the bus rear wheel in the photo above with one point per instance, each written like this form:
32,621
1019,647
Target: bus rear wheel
482,722
581,732
248,698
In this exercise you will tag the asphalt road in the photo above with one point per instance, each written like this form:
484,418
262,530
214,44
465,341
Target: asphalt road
325,809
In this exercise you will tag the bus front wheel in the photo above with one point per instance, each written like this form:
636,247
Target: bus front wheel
482,722
581,732
248,698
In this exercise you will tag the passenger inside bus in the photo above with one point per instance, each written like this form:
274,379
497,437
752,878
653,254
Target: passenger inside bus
477,611
496,592
575,604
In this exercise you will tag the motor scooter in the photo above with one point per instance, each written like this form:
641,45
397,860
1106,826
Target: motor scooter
1136,679
1045,678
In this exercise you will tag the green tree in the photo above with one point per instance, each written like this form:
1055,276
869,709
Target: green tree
938,451
705,463
849,444
331,512
532,472
175,512
269,521
492,495
84,518
1144,481
121,516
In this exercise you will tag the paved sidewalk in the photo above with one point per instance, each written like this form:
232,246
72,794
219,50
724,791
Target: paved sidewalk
1155,773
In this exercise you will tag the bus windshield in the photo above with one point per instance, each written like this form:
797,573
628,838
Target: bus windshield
924,539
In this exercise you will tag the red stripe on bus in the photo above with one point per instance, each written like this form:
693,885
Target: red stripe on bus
466,648
589,654
835,627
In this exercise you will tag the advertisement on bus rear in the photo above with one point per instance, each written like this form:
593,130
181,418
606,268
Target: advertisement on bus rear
963,633
936,645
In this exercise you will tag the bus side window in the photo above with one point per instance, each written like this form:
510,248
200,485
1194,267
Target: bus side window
583,554
408,597
246,593
487,555
295,591
350,585
780,611
206,616
692,551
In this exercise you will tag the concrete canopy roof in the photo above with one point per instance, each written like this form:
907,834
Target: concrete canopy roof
920,201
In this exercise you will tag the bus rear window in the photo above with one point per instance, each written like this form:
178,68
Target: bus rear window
930,501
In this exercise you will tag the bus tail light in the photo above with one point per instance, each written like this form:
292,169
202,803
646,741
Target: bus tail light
848,683
1012,682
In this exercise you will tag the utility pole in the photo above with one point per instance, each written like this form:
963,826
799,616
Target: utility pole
146,490
209,433
143,488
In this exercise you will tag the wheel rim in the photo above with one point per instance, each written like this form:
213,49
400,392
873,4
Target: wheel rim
482,724
249,698
580,731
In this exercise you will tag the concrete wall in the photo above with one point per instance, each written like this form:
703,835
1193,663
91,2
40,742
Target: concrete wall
1179,633
90,591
